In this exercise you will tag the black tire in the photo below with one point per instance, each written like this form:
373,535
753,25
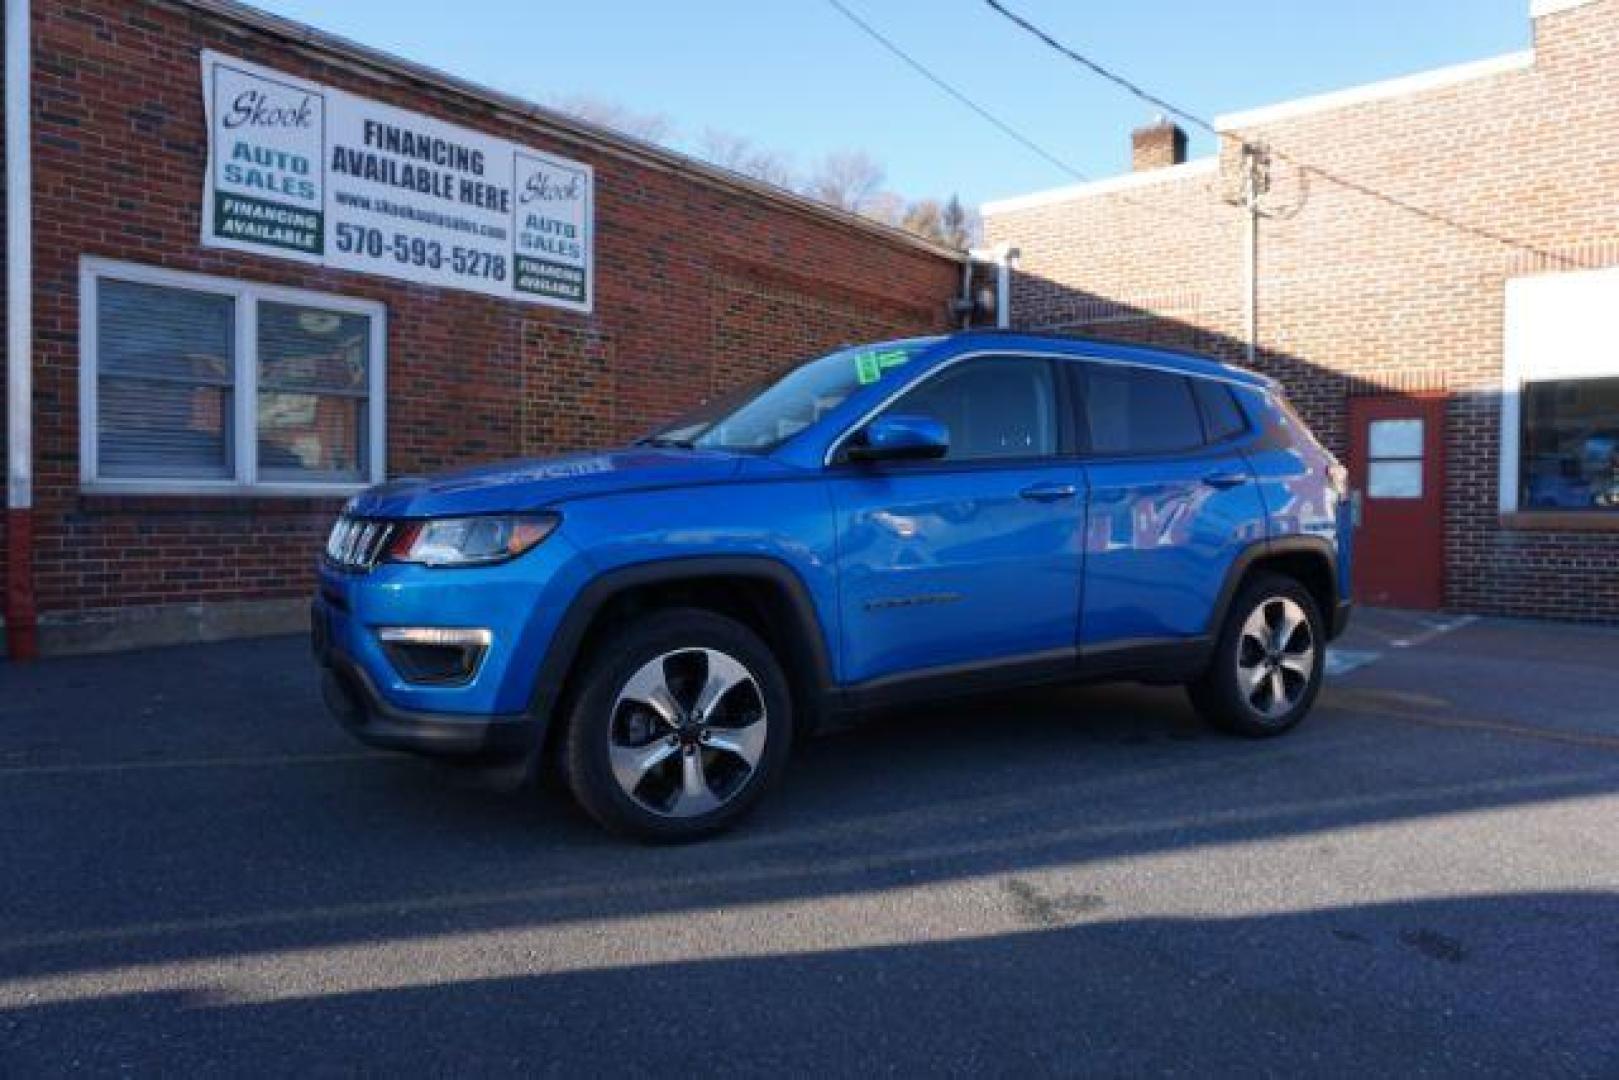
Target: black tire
599,724
1219,695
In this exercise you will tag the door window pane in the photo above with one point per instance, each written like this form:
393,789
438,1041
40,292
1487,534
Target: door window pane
996,408
1138,411
1570,445
1394,480
164,382
1394,438
313,383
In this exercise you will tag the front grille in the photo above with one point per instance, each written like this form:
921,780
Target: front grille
357,543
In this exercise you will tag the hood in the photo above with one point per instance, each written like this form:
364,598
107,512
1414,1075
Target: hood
536,483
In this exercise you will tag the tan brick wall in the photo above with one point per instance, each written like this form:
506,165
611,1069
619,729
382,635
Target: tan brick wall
1356,292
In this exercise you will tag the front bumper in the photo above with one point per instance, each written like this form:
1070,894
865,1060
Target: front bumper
354,702
496,709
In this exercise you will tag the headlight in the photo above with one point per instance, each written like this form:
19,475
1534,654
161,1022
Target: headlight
470,541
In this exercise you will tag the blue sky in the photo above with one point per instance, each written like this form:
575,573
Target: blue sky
795,76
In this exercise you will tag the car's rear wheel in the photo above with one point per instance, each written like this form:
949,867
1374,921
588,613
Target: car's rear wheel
681,722
1269,661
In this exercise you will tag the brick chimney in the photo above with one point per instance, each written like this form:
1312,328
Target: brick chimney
1158,144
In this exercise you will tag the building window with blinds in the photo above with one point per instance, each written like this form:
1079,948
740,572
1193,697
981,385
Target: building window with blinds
165,383
196,384
312,368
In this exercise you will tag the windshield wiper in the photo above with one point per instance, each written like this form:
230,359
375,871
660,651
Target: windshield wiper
665,441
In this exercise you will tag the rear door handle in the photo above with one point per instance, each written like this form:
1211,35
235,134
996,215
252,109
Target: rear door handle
1049,492
1223,480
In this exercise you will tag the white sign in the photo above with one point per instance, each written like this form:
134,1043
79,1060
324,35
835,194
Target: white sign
303,171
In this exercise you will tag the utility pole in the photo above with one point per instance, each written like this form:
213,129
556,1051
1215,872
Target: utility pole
1255,183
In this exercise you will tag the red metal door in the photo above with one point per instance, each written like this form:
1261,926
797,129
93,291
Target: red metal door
1397,468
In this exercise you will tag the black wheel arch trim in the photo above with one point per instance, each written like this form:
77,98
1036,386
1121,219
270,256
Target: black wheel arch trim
1336,613
563,651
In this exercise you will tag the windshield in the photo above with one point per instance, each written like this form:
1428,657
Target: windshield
763,415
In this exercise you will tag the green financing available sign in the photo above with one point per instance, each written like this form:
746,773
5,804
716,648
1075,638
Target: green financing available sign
266,135
308,172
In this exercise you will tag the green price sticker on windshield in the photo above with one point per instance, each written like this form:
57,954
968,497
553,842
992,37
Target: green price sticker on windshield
869,366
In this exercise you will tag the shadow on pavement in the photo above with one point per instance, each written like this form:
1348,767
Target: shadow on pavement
1489,985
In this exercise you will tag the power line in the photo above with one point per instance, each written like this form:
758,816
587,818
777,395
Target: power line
1005,128
917,66
1299,163
1109,75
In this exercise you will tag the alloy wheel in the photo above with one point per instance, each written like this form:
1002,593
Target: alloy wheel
1275,657
687,732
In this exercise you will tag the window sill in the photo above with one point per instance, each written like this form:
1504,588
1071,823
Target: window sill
224,490
1561,520
228,500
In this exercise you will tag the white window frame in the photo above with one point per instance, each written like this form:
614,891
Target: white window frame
246,296
1558,327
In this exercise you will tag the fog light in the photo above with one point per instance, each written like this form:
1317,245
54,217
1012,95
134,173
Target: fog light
434,654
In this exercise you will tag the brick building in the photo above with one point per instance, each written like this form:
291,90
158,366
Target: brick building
269,267
1436,281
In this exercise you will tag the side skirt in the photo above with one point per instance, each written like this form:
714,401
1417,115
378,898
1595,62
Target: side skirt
1160,661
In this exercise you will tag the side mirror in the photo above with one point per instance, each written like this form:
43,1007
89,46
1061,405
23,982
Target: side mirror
901,437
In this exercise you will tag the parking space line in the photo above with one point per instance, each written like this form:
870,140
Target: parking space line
1434,631
263,761
1342,661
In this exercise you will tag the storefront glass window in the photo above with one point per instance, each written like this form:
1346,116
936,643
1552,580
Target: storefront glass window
166,382
200,384
312,391
1570,445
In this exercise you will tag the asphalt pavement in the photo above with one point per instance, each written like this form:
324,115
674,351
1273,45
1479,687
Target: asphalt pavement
201,873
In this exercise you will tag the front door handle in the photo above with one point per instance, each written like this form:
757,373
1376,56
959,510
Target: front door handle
1223,480
1049,492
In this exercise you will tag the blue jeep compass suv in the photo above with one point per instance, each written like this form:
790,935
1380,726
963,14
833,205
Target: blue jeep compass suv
889,522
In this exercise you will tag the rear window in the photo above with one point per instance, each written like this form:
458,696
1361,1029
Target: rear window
1129,410
1222,417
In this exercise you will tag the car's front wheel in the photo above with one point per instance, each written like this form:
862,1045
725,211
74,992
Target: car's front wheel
681,721
1269,661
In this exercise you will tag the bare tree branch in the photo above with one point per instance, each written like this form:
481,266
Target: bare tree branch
742,155
847,179
851,180
649,127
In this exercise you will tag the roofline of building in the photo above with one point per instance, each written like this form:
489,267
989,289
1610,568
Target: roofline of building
1286,110
557,124
1091,188
1541,8
1433,79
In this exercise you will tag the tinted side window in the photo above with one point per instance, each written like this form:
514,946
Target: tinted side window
1221,414
993,408
1129,410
